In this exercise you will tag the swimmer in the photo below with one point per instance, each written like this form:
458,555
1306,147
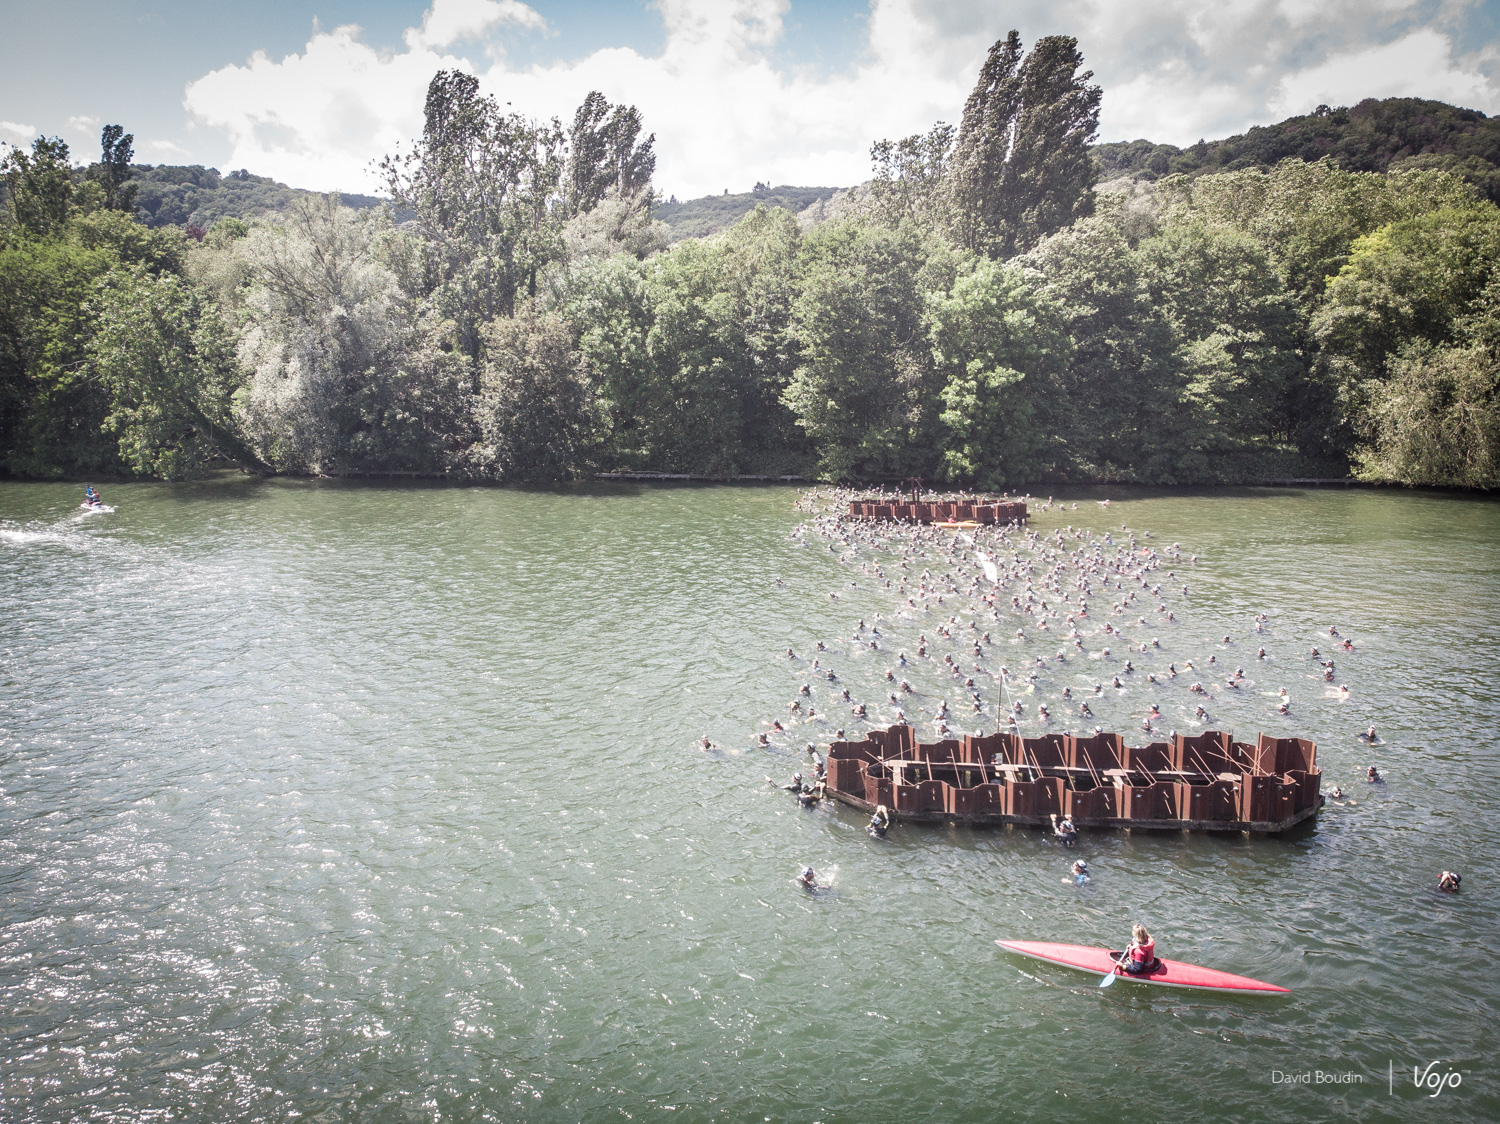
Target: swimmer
879,823
704,743
1064,829
1078,873
1449,882
1372,776
808,879
1369,736
1336,794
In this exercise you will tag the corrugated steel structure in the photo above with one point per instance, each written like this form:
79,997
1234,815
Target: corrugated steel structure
955,511
1204,783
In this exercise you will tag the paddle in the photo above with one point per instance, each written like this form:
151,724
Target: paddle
1109,979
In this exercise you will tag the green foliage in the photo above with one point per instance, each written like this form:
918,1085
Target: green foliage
963,316
1373,136
192,195
1238,332
114,170
1308,215
348,373
698,218
482,184
39,186
1021,167
604,154
865,390
537,412
50,411
1436,420
999,347
1123,382
169,367
1417,279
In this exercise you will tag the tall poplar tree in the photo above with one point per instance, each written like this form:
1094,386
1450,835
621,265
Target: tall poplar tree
1021,168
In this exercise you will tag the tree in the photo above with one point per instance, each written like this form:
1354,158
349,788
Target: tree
482,184
1121,382
113,170
1237,329
39,187
1436,420
864,389
538,417
1021,168
910,179
50,410
999,348
604,154
348,373
1416,279
169,365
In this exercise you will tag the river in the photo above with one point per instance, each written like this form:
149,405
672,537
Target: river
386,803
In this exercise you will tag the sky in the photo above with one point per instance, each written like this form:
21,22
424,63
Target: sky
736,91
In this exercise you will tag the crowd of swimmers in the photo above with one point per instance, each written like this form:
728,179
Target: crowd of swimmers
1073,594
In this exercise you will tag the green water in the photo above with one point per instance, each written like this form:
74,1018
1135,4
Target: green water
386,804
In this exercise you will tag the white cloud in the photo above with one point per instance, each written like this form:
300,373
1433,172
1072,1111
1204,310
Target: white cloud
449,21
84,124
1418,65
164,150
16,133
725,115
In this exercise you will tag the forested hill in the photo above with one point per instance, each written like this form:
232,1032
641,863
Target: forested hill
698,218
192,195
1369,137
174,195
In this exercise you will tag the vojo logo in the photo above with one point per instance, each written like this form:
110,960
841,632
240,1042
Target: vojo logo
1432,1080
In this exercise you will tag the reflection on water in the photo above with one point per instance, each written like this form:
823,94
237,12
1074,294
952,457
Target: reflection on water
386,802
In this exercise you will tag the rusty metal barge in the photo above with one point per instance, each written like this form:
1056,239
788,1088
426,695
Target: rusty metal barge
955,511
1208,782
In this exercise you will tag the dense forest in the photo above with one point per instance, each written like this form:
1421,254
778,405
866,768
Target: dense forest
981,311
1373,136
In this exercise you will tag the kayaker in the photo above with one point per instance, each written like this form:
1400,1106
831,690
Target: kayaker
1064,829
1449,882
1141,955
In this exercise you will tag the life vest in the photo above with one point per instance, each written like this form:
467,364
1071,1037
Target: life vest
1145,953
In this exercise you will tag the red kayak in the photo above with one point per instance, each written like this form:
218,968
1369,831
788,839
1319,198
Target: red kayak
1168,973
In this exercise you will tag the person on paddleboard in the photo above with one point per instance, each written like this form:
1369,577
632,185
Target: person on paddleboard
1141,955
